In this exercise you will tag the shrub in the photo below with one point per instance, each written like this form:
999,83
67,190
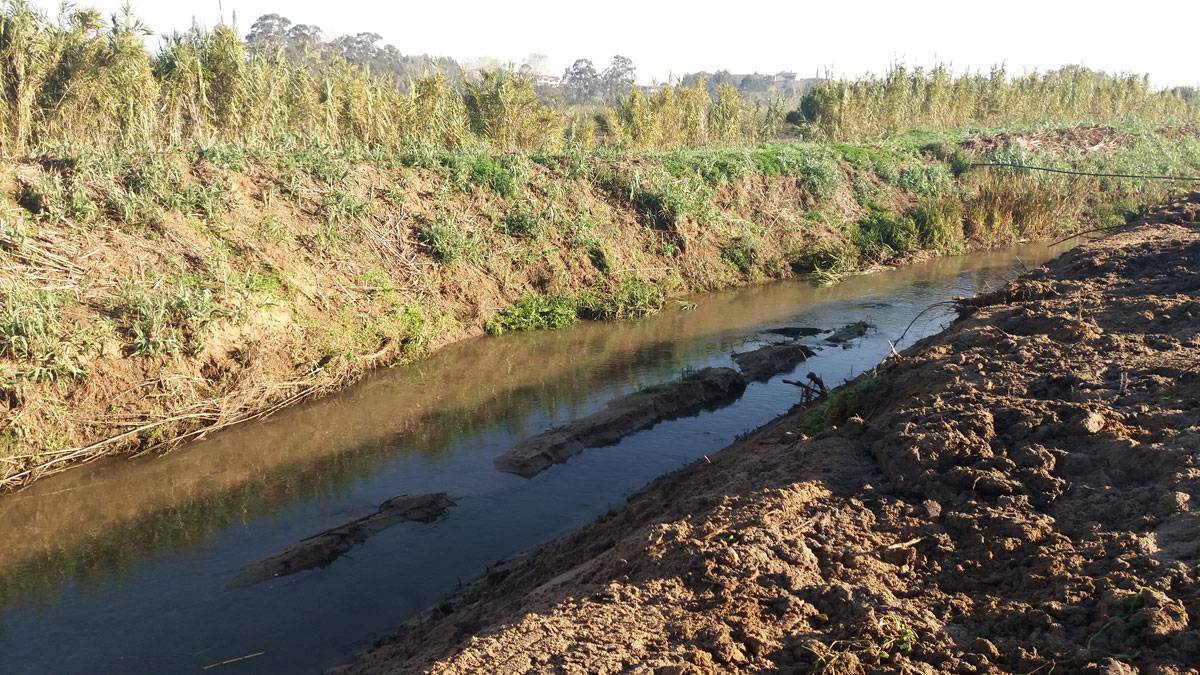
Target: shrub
925,180
740,253
535,312
449,243
631,298
940,224
882,234
827,261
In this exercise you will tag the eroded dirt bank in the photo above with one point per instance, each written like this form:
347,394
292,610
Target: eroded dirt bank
1017,494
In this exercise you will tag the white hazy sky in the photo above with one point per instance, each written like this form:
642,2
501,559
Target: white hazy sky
845,37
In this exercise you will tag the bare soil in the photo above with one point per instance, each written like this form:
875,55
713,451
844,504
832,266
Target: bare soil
1017,494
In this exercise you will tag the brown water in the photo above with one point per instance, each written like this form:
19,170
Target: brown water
122,566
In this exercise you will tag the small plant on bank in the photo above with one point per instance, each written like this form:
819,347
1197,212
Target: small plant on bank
535,312
740,253
449,243
521,222
164,317
31,334
827,261
632,298
882,234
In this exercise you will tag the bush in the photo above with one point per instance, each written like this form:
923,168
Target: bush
940,224
740,253
925,180
535,312
632,298
882,234
827,261
449,243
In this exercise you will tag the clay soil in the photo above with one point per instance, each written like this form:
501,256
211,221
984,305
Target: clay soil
1017,494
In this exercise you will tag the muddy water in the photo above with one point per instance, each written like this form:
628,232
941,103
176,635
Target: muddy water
123,566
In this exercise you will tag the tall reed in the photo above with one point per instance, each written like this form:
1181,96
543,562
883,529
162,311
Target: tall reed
905,99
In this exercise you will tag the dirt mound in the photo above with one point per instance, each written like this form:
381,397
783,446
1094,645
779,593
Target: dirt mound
322,549
1017,494
851,331
763,363
704,390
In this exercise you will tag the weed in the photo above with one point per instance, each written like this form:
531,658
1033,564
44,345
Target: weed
521,221
740,253
535,312
162,317
208,200
339,207
31,333
925,180
271,228
882,234
502,175
827,261
631,298
449,243
226,156
377,284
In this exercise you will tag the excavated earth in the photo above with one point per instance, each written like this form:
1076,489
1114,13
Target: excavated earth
1017,494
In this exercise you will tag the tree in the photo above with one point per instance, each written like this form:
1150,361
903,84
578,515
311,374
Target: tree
581,83
535,64
268,33
618,77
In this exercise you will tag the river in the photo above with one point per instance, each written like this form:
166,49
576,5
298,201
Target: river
124,565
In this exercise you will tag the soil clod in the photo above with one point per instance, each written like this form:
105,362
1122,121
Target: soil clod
322,549
707,389
763,363
849,332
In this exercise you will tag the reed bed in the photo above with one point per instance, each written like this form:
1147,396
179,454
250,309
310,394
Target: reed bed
904,99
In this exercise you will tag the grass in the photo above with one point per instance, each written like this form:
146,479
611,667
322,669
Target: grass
632,298
450,243
31,333
160,316
535,312
740,253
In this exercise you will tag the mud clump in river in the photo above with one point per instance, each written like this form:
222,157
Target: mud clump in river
322,549
707,389
1017,494
763,363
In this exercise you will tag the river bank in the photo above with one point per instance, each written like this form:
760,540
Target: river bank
1016,494
152,299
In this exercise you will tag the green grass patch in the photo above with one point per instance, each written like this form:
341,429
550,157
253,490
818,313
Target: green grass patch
535,312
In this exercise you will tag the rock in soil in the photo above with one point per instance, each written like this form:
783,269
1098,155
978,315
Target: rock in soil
1014,495
322,549
707,389
765,362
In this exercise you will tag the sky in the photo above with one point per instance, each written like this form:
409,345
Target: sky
844,37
